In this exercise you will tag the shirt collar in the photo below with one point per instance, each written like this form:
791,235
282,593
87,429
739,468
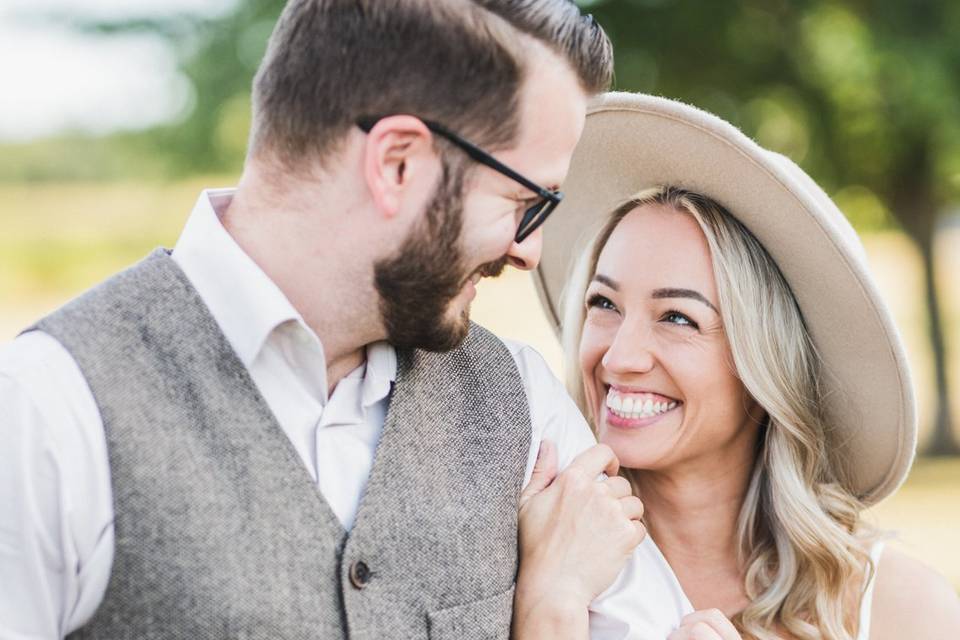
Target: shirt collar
380,374
243,300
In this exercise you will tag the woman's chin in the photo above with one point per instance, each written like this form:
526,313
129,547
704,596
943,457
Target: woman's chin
647,461
641,443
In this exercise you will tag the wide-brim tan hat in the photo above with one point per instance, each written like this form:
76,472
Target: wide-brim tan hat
632,142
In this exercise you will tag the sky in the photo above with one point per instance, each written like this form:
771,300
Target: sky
55,80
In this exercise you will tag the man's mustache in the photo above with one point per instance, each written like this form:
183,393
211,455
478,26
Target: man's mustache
493,269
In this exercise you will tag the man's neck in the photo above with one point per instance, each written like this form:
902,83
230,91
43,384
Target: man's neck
318,261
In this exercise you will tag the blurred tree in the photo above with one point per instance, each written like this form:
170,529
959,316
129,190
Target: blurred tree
219,57
864,94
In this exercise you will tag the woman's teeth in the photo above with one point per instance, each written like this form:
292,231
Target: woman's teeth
633,407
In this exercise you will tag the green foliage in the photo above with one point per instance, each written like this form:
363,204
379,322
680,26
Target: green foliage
861,93
79,157
221,68
219,58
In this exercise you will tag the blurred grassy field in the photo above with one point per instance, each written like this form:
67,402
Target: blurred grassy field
59,239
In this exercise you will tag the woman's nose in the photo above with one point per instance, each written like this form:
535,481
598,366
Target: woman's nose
526,255
630,350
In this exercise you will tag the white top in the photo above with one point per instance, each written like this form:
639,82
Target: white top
56,508
866,603
622,611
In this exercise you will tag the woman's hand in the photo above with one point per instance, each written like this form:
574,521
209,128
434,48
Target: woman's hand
708,624
577,530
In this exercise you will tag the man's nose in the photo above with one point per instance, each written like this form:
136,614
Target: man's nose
526,255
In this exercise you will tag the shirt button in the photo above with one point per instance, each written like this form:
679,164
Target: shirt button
360,574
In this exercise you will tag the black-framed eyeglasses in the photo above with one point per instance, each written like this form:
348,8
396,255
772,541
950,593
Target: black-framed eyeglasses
534,216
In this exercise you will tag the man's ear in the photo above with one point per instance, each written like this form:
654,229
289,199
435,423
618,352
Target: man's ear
399,161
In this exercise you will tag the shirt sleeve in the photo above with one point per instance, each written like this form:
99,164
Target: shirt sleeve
554,415
56,533
646,601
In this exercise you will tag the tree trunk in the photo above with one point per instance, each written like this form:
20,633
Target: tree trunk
915,207
943,441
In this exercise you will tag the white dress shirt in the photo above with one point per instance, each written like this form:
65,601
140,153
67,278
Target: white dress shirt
56,505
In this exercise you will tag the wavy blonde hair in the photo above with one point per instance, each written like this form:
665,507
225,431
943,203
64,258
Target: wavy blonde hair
799,531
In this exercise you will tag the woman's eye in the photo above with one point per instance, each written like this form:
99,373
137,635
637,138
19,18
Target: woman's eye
600,302
677,318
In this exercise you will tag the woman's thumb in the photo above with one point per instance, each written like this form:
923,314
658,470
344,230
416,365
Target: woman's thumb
544,471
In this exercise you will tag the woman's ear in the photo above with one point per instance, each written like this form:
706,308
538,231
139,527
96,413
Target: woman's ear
400,162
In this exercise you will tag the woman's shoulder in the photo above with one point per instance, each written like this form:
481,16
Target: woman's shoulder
911,600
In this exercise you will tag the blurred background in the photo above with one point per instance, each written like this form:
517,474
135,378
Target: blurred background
114,114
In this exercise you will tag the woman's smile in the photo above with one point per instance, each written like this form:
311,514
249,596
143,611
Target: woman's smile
631,409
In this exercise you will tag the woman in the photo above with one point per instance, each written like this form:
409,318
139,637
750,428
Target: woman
740,363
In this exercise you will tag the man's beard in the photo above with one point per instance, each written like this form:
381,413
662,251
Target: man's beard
417,286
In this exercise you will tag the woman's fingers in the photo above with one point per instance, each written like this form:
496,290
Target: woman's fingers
544,471
698,631
596,460
632,507
578,530
706,624
619,486
703,631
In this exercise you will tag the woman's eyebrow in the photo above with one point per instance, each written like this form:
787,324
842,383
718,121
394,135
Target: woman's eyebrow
683,293
610,282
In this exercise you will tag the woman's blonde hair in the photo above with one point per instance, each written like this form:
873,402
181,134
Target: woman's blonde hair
798,526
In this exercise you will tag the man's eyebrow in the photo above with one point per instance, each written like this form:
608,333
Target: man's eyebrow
610,282
683,293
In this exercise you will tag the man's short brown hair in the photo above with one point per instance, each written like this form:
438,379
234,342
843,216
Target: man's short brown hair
458,62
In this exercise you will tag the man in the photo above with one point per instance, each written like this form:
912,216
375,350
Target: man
160,426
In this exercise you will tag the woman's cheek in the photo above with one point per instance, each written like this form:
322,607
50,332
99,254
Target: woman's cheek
591,354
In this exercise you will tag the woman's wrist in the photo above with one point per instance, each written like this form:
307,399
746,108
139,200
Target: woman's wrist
549,611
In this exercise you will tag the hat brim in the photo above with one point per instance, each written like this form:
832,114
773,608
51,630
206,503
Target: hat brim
632,141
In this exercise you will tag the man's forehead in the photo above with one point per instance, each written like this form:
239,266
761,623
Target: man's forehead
553,109
545,148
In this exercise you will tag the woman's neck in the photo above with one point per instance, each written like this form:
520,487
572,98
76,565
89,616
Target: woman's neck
691,513
695,515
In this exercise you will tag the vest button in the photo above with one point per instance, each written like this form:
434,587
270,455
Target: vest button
360,574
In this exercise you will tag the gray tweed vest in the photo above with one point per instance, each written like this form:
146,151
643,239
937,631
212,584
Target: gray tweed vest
222,533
